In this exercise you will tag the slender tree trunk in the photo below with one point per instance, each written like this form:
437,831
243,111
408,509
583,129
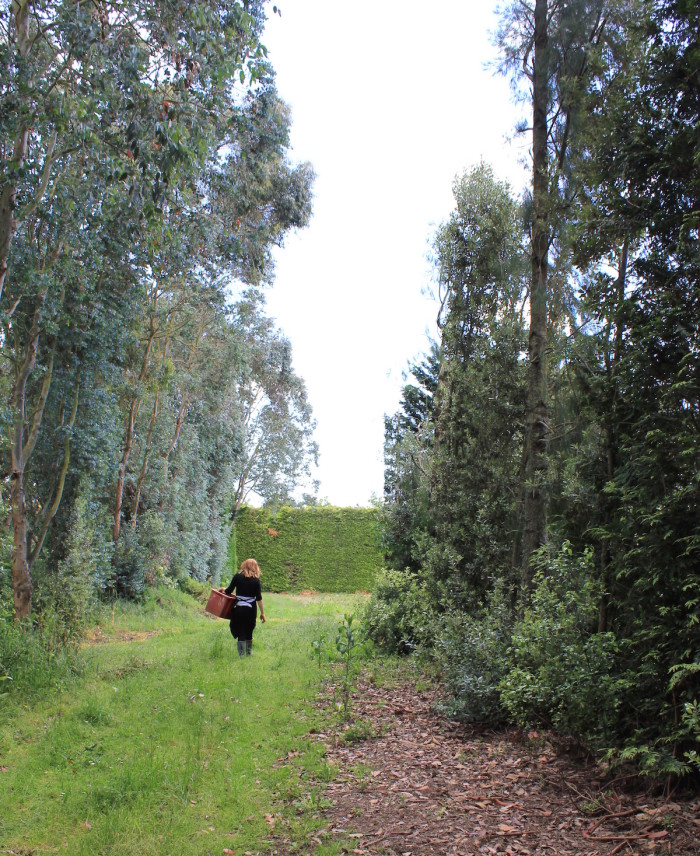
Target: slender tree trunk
49,511
534,512
21,566
129,437
182,412
8,197
22,450
149,441
184,406
124,463
144,463
21,577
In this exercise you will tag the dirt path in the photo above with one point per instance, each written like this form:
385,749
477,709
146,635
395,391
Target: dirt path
428,786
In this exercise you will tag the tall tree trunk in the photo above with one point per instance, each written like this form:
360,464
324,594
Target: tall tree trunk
149,438
21,566
181,414
534,512
48,512
21,576
184,405
129,437
144,463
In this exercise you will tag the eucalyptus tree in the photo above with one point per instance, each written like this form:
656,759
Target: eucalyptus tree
104,107
478,404
546,45
278,446
246,199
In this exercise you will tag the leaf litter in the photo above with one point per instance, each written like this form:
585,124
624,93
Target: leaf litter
433,786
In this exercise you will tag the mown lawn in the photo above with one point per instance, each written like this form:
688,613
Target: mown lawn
168,743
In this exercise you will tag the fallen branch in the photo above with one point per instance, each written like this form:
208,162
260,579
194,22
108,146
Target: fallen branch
605,817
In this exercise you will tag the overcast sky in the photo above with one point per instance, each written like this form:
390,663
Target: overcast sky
390,101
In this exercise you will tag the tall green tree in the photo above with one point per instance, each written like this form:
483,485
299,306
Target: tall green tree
278,448
546,44
478,416
116,125
408,441
637,235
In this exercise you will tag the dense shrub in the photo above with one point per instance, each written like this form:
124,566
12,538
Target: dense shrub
473,651
199,591
66,596
561,670
398,616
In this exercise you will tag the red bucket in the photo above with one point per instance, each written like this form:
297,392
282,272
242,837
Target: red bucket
220,604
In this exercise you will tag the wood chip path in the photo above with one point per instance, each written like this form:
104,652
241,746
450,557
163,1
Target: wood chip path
426,785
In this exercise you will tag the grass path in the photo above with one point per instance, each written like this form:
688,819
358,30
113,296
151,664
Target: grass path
168,743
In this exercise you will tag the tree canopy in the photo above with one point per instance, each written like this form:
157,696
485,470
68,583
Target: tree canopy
144,180
552,519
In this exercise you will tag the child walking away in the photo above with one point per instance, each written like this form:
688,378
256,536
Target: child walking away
246,584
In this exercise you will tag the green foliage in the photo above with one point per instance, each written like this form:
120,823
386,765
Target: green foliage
129,568
320,548
199,591
347,643
400,615
67,597
277,426
607,641
319,648
561,672
358,732
408,438
473,651
475,467
32,659
153,173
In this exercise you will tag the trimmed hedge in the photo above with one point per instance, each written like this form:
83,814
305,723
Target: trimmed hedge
321,548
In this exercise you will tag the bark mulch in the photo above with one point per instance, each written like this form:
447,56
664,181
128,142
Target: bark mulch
425,785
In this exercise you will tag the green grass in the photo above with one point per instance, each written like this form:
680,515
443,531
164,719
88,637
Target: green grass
167,742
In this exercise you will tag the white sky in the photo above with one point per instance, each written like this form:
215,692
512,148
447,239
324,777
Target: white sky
390,101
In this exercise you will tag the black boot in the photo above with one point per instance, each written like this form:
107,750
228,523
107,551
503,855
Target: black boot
249,647
241,647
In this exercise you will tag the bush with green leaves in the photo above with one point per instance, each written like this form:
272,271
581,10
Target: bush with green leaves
199,591
561,671
67,594
676,752
473,655
130,568
30,659
398,616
